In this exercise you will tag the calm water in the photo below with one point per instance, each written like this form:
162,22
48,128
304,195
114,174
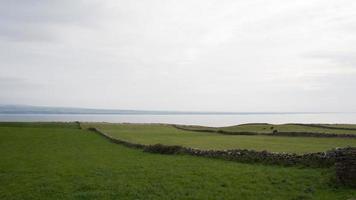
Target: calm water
207,120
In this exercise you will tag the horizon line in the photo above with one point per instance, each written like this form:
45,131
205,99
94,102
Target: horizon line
86,110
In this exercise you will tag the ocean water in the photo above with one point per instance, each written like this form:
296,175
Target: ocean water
206,120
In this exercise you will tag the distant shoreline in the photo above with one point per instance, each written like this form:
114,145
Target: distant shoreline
45,110
214,120
170,113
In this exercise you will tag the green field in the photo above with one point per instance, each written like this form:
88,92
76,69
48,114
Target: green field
352,126
63,162
166,134
269,128
40,124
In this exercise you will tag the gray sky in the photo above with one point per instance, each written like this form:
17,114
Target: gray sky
201,55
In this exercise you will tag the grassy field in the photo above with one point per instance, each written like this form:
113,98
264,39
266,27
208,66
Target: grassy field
63,162
269,128
40,124
166,134
353,126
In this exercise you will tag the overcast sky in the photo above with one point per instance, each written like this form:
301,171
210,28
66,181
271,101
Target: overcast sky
200,55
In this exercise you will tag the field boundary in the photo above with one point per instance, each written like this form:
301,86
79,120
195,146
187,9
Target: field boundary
117,141
325,127
316,160
289,134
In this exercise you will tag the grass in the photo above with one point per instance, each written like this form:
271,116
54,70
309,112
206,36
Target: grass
68,163
353,126
40,124
269,128
166,134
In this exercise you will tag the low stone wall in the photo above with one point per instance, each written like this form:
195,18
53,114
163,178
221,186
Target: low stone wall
313,134
117,141
325,127
217,131
195,130
346,166
290,134
321,159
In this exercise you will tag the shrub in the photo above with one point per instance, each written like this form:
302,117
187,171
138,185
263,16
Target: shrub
163,149
92,129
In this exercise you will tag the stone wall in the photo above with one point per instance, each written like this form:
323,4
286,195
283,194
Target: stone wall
277,133
326,127
117,141
321,159
346,166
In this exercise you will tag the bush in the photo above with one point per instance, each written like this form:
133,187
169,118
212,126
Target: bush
92,129
163,149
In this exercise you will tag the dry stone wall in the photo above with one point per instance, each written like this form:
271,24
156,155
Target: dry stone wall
346,166
276,133
321,159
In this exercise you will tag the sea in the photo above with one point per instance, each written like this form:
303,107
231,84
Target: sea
214,120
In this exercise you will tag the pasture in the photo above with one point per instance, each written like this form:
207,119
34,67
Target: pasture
57,161
295,128
167,134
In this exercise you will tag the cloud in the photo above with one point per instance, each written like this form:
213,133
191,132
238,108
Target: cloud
40,20
14,83
179,55
340,59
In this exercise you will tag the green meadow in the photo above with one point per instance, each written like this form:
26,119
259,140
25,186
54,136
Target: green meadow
61,161
270,128
167,134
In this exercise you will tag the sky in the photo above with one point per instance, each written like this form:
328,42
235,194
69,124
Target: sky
186,55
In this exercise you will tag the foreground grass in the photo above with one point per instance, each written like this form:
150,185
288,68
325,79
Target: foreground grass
165,134
67,163
269,128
